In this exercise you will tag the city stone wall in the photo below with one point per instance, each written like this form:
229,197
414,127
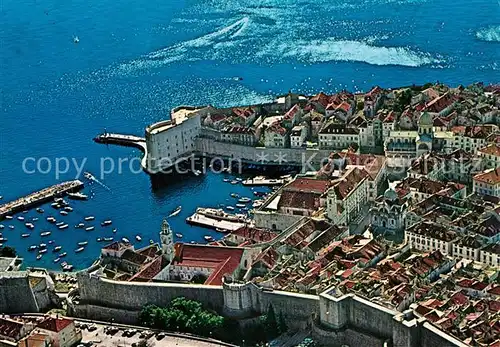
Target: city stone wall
263,155
348,319
274,220
16,295
134,296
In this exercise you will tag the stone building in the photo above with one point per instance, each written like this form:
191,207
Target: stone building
388,214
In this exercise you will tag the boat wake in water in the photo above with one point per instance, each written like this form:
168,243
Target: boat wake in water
188,50
91,177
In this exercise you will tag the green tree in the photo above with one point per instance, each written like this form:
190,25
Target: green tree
8,252
270,323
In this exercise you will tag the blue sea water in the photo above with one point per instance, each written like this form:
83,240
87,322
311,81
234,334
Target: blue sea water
137,59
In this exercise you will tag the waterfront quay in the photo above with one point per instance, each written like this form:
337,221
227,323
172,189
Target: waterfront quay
204,221
39,197
122,140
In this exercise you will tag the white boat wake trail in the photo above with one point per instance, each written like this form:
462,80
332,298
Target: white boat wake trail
189,50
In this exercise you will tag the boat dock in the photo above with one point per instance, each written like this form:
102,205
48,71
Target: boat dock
263,181
39,197
122,140
204,221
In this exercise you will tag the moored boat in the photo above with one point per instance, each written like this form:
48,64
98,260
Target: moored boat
20,218
62,255
32,248
9,217
51,219
57,260
208,238
78,250
11,227
244,200
2,226
25,235
83,243
179,235
106,223
59,224
176,211
234,182
89,228
108,239
38,257
39,210
57,249
68,208
79,225
125,240
64,226
77,196
89,218
45,233
29,225
42,251
63,213
241,205
221,230
234,195
68,267
138,238
99,239
42,245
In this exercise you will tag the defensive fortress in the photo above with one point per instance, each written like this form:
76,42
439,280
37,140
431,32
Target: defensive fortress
347,319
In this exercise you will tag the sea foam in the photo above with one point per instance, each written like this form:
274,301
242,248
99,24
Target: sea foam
490,34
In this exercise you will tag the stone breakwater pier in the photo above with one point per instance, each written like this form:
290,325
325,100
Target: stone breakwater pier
39,197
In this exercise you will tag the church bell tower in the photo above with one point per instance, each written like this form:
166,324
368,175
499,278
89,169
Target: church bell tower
167,241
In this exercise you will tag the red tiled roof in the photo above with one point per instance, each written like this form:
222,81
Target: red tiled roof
54,324
10,328
493,149
291,112
148,272
308,185
304,200
489,176
276,128
255,234
439,104
321,98
243,112
223,260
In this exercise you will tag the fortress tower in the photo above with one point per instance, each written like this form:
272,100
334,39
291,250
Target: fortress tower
167,240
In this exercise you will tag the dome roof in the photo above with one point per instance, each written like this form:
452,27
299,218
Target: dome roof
425,119
390,194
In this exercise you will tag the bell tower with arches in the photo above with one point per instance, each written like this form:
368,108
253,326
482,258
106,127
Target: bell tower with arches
167,240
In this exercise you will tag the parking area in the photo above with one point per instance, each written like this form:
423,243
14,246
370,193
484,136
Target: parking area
108,336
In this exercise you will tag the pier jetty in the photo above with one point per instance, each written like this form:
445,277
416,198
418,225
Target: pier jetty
39,197
122,140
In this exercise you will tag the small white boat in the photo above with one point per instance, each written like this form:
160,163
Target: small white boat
76,39
57,249
77,196
151,242
221,230
234,182
45,233
68,267
78,250
25,235
99,239
208,238
64,213
57,260
42,245
51,219
79,225
239,179
108,239
114,230
62,255
226,180
32,248
59,224
9,217
34,219
64,226
89,228
241,205
40,210
21,218
176,211
138,238
55,205
38,257
106,223
11,227
179,235
234,195
3,239
230,208
68,208
42,251
2,226
83,243
244,200
89,218
30,226
51,242
125,240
